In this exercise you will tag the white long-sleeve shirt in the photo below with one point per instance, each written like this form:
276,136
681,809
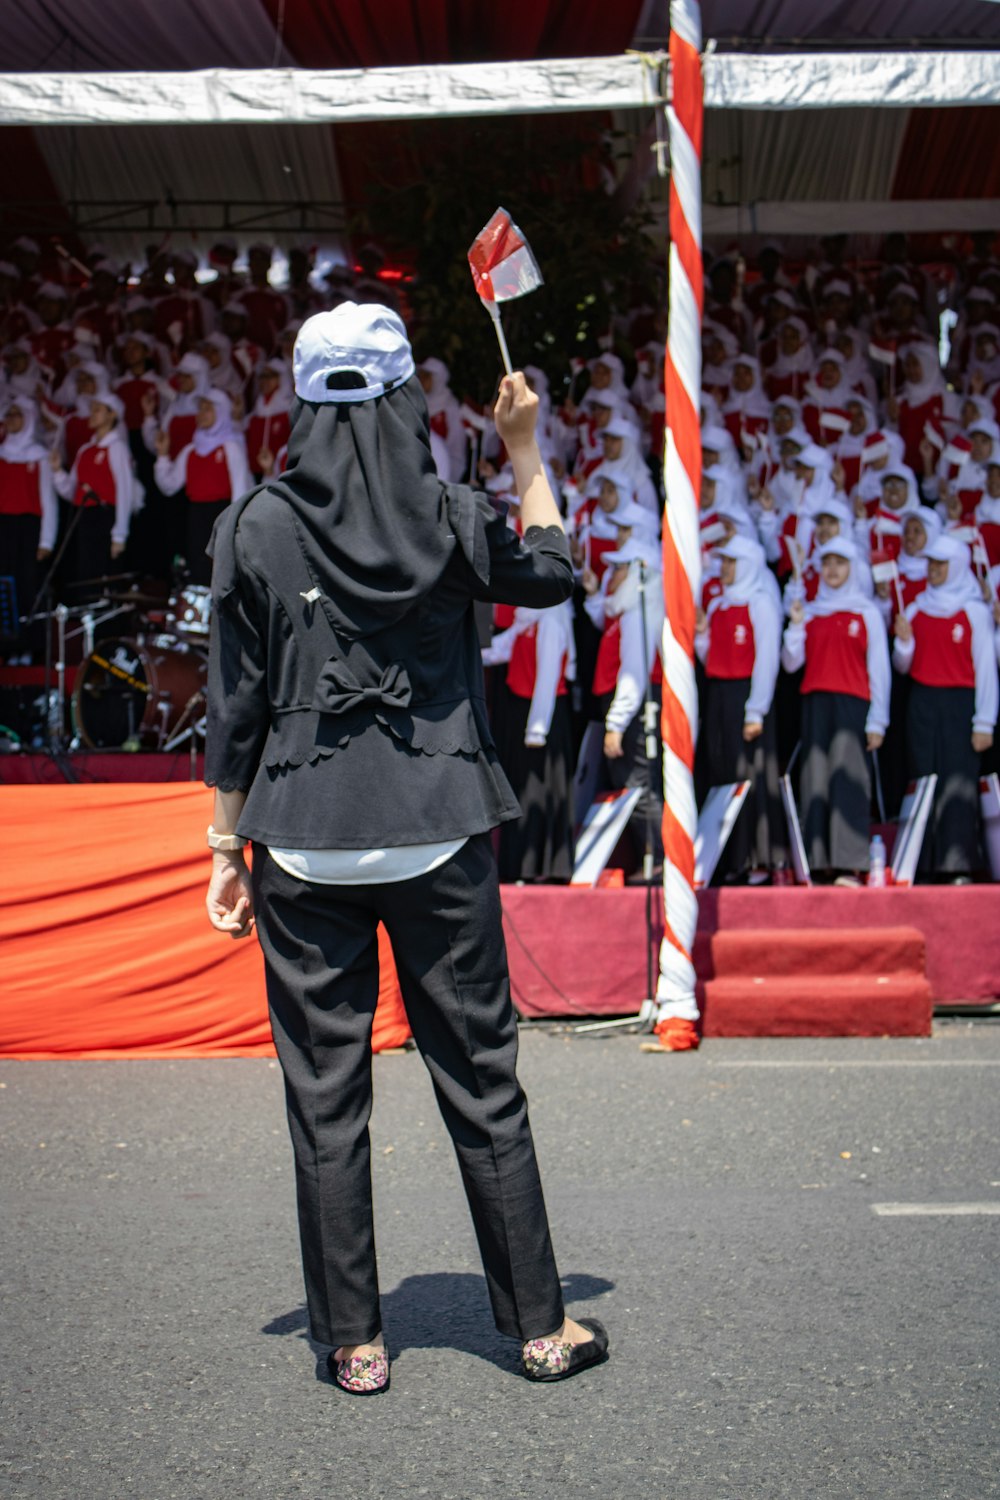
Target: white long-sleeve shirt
641,641
793,656
171,473
766,649
128,495
983,645
553,645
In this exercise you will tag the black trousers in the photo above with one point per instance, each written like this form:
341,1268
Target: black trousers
758,838
321,960
835,786
939,735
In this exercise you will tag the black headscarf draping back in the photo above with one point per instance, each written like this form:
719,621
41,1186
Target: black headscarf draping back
375,523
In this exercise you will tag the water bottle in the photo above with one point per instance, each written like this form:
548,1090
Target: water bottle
876,861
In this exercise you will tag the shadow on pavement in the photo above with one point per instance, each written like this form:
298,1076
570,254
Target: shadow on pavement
444,1310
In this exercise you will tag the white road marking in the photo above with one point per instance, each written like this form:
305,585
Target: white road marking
932,1210
856,1062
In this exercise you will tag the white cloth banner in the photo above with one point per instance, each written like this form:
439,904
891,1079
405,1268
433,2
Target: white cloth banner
302,95
845,80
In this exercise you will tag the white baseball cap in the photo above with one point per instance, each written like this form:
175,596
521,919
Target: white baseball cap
356,352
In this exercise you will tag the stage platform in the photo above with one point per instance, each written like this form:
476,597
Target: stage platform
107,950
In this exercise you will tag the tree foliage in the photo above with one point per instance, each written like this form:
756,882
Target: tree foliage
551,174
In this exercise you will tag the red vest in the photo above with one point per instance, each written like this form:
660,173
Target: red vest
267,432
911,428
910,588
208,477
180,431
19,492
608,659
990,533
75,434
522,669
730,642
131,390
710,589
837,655
942,655
93,473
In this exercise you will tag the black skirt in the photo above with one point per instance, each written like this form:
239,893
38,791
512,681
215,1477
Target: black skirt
539,844
835,786
939,732
759,836
200,521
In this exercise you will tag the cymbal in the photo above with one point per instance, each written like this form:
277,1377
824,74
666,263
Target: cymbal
132,598
114,579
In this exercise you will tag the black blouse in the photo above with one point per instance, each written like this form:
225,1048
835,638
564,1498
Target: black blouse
369,743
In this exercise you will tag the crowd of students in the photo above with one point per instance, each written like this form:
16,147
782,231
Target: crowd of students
850,519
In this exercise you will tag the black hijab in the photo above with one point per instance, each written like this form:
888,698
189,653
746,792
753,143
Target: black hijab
376,525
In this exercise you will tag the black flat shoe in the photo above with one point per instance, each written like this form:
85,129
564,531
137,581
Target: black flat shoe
362,1374
550,1359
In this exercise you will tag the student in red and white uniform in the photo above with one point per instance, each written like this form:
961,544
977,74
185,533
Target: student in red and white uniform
920,528
182,317
621,451
52,342
719,349
17,320
988,511
224,374
945,640
883,531
828,391
841,641
190,381
445,416
533,731
101,482
211,471
739,642
747,412
962,492
788,534
84,382
831,519
629,669
139,381
269,423
268,310
920,401
792,368
598,519
849,448
29,513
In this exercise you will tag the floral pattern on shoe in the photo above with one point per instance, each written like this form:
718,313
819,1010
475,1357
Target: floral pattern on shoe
363,1372
542,1357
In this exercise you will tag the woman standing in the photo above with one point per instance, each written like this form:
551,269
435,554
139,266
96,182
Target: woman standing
841,641
101,483
347,737
945,641
212,470
29,513
739,641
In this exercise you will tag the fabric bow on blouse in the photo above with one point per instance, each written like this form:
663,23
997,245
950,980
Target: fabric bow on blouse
338,690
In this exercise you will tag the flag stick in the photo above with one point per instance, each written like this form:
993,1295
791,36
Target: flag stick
494,312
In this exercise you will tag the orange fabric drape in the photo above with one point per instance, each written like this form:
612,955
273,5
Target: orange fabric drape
106,948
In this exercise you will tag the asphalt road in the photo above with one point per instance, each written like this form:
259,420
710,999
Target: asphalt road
773,1335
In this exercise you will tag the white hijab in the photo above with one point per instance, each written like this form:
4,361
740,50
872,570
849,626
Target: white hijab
851,597
915,568
959,590
207,439
931,382
22,447
753,581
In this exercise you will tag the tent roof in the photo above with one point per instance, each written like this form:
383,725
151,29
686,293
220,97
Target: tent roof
769,24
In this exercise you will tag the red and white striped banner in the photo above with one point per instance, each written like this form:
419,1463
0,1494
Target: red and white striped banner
677,1015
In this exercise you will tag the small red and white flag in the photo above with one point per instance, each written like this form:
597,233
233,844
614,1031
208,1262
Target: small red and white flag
503,268
885,569
874,448
957,451
883,351
835,420
933,434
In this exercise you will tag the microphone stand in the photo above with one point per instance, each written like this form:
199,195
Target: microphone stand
55,733
646,1018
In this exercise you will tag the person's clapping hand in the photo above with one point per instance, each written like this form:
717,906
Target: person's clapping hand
516,412
796,612
162,444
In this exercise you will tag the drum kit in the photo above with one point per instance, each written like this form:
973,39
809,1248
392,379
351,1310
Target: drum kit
144,690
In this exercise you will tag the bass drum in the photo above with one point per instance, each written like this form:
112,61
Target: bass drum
133,695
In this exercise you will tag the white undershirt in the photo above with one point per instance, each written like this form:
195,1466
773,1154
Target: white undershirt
364,866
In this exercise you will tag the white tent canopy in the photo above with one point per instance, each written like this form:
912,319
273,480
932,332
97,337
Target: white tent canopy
299,95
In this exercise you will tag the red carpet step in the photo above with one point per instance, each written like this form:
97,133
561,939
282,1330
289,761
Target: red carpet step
829,981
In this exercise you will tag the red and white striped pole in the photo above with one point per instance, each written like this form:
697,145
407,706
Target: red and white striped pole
677,1014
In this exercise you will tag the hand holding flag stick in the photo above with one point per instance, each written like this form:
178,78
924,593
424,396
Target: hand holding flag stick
503,267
